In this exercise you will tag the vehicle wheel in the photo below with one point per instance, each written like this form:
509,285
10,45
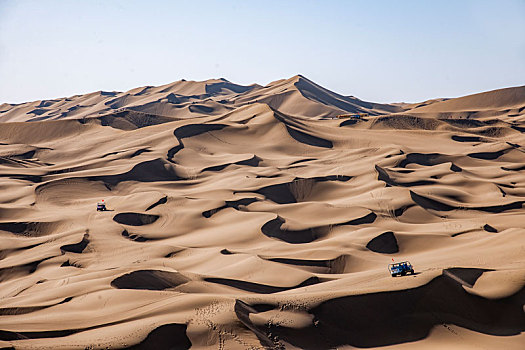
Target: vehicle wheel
411,272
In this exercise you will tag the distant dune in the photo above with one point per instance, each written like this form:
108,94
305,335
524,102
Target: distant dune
296,96
251,217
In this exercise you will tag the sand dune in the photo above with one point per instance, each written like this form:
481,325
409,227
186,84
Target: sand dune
245,217
138,107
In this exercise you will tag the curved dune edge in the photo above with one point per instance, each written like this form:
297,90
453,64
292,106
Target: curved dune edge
246,217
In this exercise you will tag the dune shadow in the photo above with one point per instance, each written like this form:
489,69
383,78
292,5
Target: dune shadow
386,178
236,204
190,130
147,171
429,203
16,271
168,336
330,266
367,219
33,229
308,139
257,287
297,190
389,318
487,155
385,243
131,120
76,247
273,229
253,162
348,122
135,219
10,311
134,237
163,200
459,138
149,280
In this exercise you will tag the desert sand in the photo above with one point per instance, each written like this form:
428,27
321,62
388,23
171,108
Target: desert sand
249,217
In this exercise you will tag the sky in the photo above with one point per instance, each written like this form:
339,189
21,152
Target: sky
380,51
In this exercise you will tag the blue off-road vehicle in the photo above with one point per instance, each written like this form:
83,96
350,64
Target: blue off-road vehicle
401,269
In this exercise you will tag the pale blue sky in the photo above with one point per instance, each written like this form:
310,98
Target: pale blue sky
382,51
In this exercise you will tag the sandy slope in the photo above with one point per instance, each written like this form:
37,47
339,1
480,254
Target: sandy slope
240,219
